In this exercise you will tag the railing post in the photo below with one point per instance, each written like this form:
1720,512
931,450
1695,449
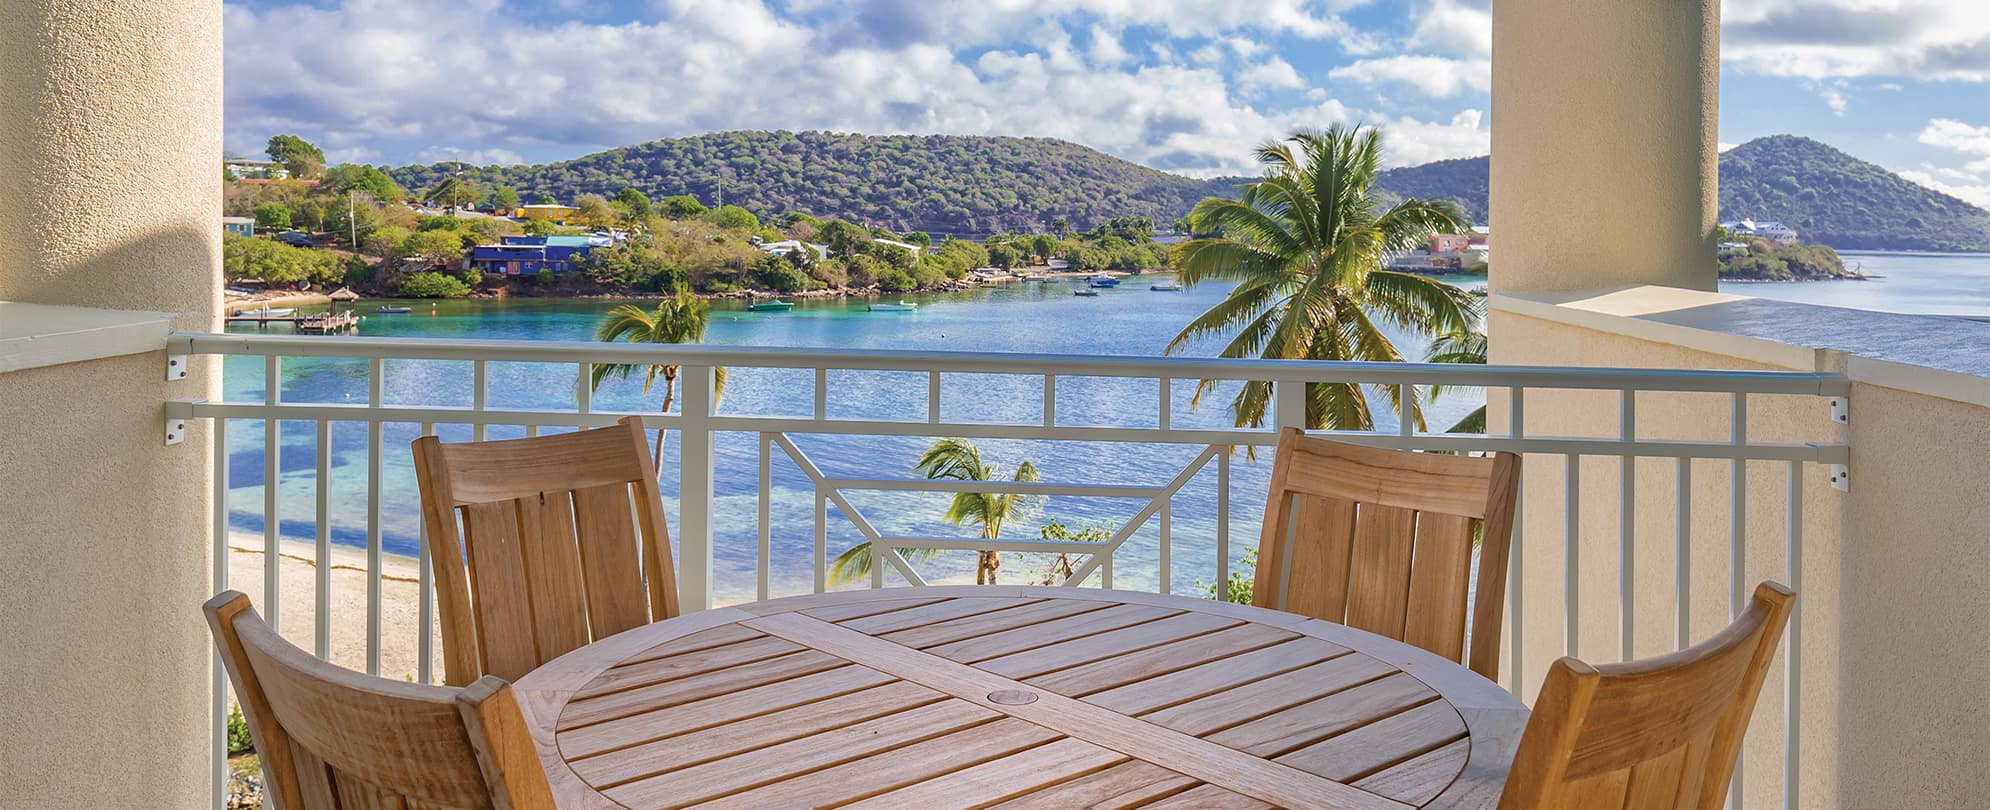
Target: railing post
694,481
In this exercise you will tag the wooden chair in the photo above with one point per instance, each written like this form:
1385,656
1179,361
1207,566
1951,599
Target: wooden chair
1658,733
549,556
330,738
1381,540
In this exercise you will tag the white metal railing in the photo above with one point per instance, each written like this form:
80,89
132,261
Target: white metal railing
1139,417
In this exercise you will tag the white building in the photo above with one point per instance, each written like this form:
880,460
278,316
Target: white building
1763,229
787,246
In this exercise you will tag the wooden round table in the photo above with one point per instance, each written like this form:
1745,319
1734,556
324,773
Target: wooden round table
1014,697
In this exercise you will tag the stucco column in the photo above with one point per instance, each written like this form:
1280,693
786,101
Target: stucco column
1604,124
110,154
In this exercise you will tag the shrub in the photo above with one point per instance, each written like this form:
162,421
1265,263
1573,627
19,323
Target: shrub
273,216
780,275
239,739
896,280
433,285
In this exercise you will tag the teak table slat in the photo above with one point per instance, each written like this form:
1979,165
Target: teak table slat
1014,697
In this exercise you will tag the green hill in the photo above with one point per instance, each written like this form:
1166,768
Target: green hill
935,183
1835,199
1830,197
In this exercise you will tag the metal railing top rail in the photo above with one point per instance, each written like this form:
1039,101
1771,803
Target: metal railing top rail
537,351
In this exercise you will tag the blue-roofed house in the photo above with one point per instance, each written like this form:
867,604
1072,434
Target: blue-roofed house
527,255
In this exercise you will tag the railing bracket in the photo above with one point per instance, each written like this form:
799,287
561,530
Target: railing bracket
1841,410
176,430
1841,478
176,367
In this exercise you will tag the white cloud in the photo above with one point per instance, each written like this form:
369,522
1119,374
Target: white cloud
1956,136
481,157
1969,188
1274,73
1834,96
1944,40
1434,76
1457,28
431,80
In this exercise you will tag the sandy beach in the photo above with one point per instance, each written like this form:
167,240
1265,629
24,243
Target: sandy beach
297,613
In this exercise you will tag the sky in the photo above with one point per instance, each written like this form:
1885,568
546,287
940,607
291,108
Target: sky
1188,86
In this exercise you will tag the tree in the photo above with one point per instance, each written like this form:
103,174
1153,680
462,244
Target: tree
273,216
594,211
954,460
734,218
1060,226
545,199
1002,255
1466,346
437,247
682,206
373,182
634,204
433,285
356,219
681,318
298,156
1305,246
275,262
504,198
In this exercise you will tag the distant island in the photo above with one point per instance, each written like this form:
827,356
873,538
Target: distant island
1830,197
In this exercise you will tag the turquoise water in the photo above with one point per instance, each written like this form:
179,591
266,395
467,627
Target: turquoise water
1016,317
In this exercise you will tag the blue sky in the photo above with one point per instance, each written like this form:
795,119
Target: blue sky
1184,85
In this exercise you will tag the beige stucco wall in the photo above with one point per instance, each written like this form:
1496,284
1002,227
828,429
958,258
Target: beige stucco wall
1895,628
1604,139
110,155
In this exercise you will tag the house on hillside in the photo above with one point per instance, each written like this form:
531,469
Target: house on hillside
905,246
246,169
1762,229
238,226
548,212
527,255
787,246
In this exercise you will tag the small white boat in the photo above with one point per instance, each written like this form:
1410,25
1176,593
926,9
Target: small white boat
901,306
1085,291
392,310
266,312
1167,286
1104,281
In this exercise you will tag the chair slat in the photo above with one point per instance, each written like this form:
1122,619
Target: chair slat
578,549
505,644
552,572
1379,573
333,739
1654,734
1440,580
1321,544
1382,540
608,558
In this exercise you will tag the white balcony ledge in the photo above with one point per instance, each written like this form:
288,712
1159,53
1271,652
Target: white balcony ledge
36,335
1932,355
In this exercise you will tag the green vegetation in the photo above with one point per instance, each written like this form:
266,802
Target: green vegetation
1768,261
433,285
953,460
1305,246
938,183
1243,580
1829,197
297,155
274,262
1832,198
682,318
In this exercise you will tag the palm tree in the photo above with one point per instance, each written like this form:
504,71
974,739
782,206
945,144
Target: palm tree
1305,245
681,318
953,460
1467,346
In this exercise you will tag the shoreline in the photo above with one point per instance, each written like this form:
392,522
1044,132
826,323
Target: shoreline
275,300
296,613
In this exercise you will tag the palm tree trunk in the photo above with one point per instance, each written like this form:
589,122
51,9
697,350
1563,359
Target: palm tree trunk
669,393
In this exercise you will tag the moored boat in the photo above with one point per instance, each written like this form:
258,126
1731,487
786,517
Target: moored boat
902,306
1085,291
1103,280
770,306
391,310
1166,286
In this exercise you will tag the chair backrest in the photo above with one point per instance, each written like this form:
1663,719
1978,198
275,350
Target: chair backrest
561,542
1381,540
330,738
1656,733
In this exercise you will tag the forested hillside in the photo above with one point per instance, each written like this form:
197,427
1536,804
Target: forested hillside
935,183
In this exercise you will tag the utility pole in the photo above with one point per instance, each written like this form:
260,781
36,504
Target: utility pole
351,220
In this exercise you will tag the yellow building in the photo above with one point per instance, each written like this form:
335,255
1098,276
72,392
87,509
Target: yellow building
550,213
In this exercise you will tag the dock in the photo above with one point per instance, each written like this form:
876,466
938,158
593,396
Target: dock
321,322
